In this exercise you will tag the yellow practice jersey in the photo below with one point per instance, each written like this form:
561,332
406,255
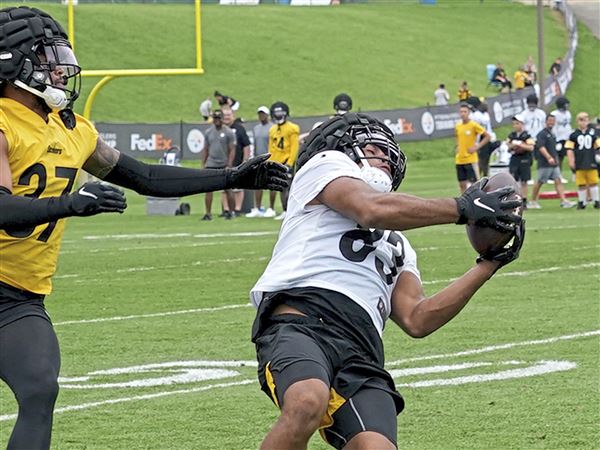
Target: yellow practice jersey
466,137
44,160
283,143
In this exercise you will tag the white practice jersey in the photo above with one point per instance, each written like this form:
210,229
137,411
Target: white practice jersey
483,119
318,247
535,121
562,128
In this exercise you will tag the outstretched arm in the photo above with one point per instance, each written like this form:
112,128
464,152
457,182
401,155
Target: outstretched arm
109,164
372,209
419,315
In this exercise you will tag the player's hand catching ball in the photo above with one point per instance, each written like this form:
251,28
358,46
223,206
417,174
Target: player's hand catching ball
510,252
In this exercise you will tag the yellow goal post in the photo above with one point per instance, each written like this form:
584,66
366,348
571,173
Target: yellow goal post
109,74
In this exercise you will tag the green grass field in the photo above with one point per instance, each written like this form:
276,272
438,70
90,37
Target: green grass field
134,290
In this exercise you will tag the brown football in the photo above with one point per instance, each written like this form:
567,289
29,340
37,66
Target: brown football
484,239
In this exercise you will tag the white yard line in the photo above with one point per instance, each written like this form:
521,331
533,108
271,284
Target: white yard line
146,316
493,348
526,272
174,235
113,401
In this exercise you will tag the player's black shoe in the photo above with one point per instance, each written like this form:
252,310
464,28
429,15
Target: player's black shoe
580,205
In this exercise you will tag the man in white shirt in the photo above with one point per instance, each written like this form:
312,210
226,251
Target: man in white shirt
562,128
339,270
441,95
534,117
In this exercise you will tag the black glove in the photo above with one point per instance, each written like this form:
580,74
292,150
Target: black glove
488,209
258,173
96,198
510,252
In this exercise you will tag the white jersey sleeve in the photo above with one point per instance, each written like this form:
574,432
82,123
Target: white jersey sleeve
318,172
319,247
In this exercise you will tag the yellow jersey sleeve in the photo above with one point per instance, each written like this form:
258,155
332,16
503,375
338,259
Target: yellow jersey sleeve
569,145
478,129
294,137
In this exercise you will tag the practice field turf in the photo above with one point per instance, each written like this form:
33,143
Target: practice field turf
153,318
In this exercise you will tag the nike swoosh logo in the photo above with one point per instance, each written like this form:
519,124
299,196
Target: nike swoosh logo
481,205
85,193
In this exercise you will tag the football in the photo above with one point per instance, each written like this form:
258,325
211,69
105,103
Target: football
484,239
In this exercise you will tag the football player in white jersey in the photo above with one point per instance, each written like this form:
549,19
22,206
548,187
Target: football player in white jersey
535,118
562,128
340,269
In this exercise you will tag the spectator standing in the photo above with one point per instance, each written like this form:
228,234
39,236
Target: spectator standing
242,153
261,146
531,70
219,152
206,109
466,159
227,101
499,76
547,159
581,150
555,67
534,117
283,146
463,92
520,145
482,117
441,95
562,129
521,78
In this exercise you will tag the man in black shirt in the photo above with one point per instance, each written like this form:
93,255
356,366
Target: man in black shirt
242,152
582,146
547,159
520,145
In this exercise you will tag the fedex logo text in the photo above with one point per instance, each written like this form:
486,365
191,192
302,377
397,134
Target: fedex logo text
155,142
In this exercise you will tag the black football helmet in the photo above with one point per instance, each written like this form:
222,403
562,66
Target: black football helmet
36,56
279,112
349,133
342,103
562,103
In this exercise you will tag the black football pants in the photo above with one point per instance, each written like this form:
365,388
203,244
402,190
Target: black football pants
29,364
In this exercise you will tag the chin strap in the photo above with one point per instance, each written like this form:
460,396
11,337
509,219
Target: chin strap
54,98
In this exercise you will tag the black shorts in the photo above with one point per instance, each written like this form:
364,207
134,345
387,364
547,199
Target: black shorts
16,304
321,345
520,169
466,172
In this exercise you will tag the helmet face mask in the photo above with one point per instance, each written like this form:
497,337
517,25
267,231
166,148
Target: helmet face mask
279,112
350,134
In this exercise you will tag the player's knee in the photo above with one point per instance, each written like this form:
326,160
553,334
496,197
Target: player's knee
40,393
304,408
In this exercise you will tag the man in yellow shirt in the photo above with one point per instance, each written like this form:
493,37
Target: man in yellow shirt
521,78
466,158
284,139
43,146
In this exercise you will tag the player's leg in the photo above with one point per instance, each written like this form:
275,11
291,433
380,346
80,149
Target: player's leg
272,195
29,364
295,373
208,199
367,420
580,181
258,199
304,404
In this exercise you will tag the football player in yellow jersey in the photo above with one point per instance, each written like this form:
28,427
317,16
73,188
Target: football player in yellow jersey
466,132
284,138
43,145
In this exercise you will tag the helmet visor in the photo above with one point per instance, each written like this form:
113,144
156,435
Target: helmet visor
60,58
